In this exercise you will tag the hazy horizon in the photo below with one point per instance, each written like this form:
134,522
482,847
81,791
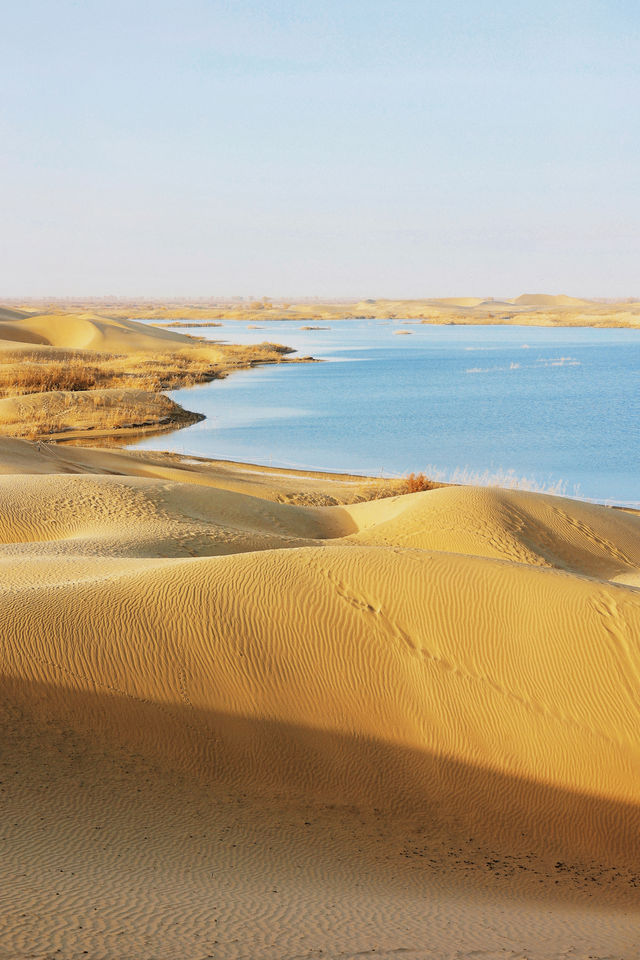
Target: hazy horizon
381,150
295,298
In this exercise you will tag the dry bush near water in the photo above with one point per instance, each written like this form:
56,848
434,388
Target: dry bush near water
40,371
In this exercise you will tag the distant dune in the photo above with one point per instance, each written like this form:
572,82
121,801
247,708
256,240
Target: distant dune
533,309
459,301
7,315
240,726
495,303
545,300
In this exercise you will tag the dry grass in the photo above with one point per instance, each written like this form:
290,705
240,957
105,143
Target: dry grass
67,386
46,370
41,415
381,488
27,376
416,482
189,323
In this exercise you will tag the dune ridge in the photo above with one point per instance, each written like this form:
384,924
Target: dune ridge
537,309
270,728
89,331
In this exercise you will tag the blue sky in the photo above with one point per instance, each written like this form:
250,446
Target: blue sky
359,148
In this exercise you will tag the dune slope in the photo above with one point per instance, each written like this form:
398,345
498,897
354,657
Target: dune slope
237,727
88,331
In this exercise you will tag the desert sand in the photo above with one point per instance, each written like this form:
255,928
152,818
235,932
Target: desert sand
531,309
272,714
237,724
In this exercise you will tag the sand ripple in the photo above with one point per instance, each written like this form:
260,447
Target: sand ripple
237,727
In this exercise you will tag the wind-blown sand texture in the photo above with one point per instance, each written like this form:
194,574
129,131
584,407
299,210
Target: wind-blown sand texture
236,726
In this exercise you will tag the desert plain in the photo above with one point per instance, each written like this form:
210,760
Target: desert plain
254,713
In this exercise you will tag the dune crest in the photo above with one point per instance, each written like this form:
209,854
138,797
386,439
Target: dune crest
90,331
435,687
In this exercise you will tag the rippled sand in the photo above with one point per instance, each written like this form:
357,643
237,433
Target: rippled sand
240,727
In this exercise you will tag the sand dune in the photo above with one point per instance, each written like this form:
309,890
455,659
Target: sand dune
492,304
241,727
549,300
530,309
88,331
458,301
7,314
539,530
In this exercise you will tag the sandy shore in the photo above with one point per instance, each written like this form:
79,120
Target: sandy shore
251,712
237,723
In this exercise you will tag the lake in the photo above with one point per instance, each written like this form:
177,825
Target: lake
537,407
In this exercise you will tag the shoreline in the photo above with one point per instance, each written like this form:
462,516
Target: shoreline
70,375
253,466
395,483
229,684
276,483
114,417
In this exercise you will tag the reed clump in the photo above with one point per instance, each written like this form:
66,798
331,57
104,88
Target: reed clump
43,415
417,482
46,371
75,391
27,376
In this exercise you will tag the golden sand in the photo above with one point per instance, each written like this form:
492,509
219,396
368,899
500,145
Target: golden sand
237,726
256,713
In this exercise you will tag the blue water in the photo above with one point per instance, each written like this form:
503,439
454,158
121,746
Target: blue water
554,409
